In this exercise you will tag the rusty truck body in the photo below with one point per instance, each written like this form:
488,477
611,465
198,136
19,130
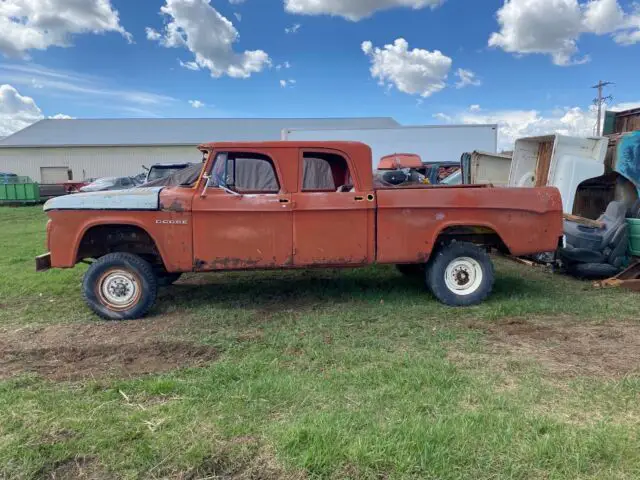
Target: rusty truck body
283,205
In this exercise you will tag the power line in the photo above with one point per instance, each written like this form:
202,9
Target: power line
600,101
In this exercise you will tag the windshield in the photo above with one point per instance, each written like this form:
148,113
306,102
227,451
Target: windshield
162,172
103,182
181,177
453,179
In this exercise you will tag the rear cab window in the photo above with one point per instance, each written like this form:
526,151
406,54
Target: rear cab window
326,172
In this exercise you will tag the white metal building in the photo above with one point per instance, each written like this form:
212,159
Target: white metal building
54,151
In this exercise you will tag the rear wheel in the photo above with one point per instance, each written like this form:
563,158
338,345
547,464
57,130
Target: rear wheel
120,286
460,275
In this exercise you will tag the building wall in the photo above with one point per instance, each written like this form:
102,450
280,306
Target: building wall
92,162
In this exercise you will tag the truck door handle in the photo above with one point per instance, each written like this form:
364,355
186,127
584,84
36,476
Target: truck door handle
284,200
359,199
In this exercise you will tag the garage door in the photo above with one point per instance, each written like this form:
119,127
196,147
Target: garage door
49,175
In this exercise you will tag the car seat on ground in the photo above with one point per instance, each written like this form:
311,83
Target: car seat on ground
592,252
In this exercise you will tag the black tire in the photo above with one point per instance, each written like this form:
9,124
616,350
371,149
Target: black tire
168,279
462,275
411,270
593,271
111,279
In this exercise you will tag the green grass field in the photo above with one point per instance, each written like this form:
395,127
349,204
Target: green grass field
315,374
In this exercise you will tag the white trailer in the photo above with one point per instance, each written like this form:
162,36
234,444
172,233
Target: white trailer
434,143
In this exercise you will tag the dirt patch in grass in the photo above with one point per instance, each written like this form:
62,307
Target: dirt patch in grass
567,348
252,464
75,468
72,352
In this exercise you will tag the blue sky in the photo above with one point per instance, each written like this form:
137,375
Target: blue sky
547,55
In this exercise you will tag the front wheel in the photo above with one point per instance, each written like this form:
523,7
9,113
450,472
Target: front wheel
120,286
461,275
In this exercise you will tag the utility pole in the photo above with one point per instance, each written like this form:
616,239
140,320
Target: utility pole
600,101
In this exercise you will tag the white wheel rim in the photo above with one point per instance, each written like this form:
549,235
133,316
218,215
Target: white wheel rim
119,289
463,276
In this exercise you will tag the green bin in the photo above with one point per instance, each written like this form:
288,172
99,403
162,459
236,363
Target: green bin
634,236
19,190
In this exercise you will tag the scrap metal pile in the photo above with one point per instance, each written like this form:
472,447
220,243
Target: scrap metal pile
599,180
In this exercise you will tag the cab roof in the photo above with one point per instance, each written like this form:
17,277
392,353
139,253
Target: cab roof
336,145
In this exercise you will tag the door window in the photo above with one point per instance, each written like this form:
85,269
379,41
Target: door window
326,172
245,173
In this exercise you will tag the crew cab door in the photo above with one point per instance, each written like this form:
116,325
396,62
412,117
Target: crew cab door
244,218
333,219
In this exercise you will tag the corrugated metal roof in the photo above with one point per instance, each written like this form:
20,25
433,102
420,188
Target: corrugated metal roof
161,131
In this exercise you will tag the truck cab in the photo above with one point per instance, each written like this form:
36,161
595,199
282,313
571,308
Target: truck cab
280,205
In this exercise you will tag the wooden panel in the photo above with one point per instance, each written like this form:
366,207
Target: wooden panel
544,163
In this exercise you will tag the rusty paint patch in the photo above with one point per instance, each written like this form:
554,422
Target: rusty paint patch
198,265
176,206
423,257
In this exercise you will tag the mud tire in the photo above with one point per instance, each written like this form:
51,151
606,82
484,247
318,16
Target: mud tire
471,285
125,279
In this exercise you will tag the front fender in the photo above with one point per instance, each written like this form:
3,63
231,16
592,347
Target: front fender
170,231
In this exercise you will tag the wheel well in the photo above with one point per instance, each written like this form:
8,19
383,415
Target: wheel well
477,234
104,239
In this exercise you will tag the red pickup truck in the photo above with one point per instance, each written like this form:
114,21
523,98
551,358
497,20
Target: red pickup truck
281,205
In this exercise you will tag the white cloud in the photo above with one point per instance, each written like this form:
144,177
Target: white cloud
620,107
189,65
16,111
152,34
78,86
353,10
238,16
201,29
40,24
282,65
416,72
553,27
293,28
466,78
196,103
514,124
603,16
19,111
287,83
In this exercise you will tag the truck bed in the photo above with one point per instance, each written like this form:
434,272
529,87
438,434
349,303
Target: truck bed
410,220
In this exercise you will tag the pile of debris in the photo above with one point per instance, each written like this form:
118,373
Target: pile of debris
599,180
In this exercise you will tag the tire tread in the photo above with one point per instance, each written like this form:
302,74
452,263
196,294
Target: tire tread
143,269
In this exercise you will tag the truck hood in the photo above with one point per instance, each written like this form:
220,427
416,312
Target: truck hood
130,199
